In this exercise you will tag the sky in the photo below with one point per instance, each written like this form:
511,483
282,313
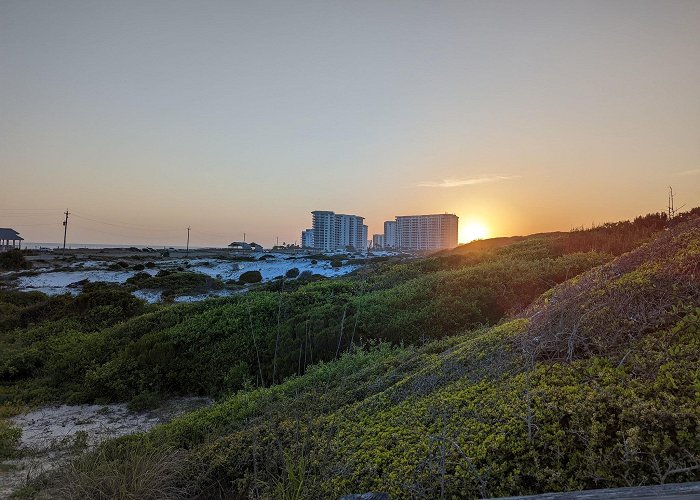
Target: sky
145,117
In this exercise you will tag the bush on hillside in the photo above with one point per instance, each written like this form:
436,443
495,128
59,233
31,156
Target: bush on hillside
101,305
250,277
175,284
630,296
13,260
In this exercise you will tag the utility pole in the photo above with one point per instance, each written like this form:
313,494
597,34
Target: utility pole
671,206
244,238
187,252
65,231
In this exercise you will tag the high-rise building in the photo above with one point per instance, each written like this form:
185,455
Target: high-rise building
324,230
426,232
307,238
338,231
378,241
390,234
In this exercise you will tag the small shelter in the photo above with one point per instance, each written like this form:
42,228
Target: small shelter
9,239
255,247
240,245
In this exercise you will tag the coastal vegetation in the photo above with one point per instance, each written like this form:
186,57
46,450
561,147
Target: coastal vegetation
13,260
172,284
549,363
113,347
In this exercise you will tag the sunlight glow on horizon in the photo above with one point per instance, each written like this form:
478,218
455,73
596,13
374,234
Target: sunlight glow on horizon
473,230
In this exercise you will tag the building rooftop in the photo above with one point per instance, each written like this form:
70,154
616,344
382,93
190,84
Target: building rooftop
9,234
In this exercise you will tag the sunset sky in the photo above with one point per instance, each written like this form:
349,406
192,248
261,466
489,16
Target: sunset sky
144,117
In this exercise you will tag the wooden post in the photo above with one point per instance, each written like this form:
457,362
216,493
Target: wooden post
65,231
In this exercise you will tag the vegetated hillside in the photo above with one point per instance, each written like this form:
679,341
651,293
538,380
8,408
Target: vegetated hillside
597,384
614,238
489,244
105,345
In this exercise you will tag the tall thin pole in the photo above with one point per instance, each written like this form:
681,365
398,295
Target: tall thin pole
671,209
187,252
65,232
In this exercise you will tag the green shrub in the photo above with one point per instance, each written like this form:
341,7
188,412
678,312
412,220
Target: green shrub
145,401
101,305
292,273
13,260
175,284
249,277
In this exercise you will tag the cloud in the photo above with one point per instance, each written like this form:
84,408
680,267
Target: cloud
451,183
690,172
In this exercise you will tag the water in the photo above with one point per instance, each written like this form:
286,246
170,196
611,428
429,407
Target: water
97,246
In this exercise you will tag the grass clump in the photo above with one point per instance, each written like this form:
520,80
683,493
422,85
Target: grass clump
9,440
125,472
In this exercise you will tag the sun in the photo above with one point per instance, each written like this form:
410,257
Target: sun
474,230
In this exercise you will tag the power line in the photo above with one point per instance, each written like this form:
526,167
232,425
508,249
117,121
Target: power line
197,231
13,215
35,225
29,209
125,225
47,212
109,233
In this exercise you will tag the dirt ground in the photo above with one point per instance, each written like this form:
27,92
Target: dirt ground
53,435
